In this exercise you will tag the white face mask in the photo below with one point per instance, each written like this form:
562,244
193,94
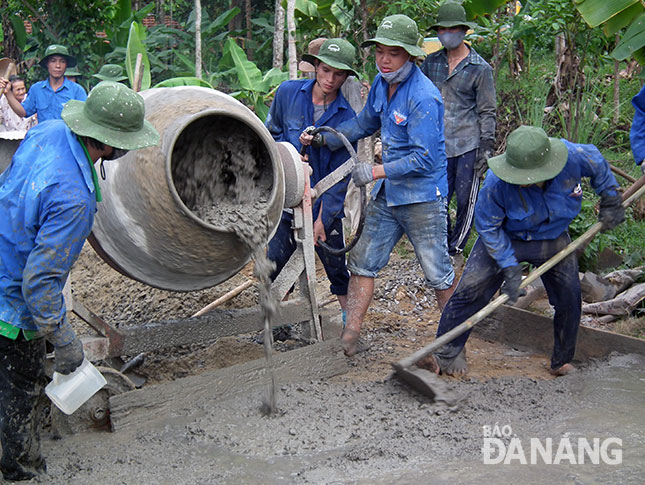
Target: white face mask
451,40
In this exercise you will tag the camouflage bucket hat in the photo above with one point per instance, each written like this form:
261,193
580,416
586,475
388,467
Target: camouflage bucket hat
530,157
398,31
452,14
110,72
57,50
337,53
113,114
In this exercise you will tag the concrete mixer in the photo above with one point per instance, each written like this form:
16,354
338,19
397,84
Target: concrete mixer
188,213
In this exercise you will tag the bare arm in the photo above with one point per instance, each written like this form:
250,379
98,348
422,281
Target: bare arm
16,106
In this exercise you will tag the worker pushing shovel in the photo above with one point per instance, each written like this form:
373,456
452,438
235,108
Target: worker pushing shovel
531,194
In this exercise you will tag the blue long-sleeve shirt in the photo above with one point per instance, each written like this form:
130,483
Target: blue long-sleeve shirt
411,123
506,211
637,131
47,103
291,112
47,206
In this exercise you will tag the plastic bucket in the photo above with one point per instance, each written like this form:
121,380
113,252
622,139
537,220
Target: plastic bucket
69,392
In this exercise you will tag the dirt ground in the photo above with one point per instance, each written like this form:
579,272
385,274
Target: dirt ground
359,427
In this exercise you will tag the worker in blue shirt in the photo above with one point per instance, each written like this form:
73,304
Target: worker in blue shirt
46,98
637,131
409,196
48,198
316,102
530,195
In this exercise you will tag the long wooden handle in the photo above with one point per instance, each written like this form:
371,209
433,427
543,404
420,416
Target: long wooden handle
500,300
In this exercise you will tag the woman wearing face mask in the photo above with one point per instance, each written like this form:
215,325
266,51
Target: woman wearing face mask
409,196
468,91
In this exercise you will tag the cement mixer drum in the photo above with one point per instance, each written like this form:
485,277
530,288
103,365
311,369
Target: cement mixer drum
188,213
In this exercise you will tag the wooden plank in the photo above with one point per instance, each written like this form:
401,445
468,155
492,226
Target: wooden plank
220,323
179,399
528,331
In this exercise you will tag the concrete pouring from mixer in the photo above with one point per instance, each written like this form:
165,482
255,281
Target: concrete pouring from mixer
174,216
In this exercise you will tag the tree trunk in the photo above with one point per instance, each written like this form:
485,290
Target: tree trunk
198,39
616,86
291,36
364,19
278,36
248,9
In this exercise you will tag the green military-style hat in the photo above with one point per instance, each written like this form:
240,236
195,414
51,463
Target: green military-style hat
398,31
337,53
57,50
113,114
530,157
452,14
72,71
110,72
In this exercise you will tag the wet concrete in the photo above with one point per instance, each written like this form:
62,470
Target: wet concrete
347,431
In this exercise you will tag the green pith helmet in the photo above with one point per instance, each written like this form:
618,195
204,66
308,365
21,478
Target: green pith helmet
337,53
452,14
110,72
398,31
72,71
57,50
530,157
114,115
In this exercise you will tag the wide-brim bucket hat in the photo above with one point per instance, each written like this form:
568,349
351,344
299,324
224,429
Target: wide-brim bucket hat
312,48
110,72
57,50
452,14
530,157
398,31
337,53
112,114
72,72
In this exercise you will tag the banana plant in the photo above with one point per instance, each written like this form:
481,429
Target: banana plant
134,48
614,16
256,88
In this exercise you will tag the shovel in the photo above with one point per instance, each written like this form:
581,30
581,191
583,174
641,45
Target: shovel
428,383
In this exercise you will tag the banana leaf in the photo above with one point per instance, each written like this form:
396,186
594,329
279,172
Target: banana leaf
19,32
135,46
596,12
632,41
248,74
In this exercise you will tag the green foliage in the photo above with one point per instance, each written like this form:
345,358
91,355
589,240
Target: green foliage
134,48
254,86
182,81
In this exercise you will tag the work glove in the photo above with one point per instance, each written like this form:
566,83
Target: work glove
362,174
318,140
68,349
68,357
484,152
611,212
511,285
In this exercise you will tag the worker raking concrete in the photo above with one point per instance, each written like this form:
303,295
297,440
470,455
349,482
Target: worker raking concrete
530,195
48,197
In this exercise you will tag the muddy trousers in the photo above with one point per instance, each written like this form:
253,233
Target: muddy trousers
283,245
22,374
462,185
482,278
